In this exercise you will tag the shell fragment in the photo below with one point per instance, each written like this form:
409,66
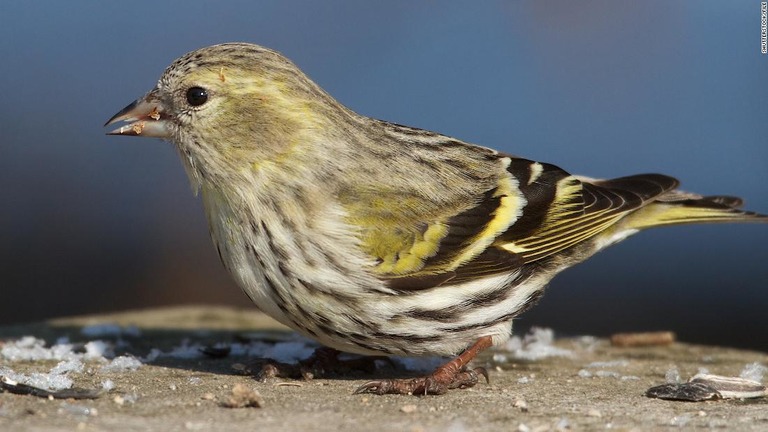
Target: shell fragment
703,387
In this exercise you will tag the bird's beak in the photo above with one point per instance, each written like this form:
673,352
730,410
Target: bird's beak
145,117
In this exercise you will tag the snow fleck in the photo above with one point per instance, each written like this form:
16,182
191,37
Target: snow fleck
607,364
289,351
607,374
107,385
754,371
536,345
32,348
55,379
673,376
122,363
97,350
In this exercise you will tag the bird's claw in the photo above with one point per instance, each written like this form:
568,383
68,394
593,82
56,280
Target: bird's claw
434,384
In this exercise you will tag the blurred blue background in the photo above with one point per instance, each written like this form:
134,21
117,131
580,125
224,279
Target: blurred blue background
91,223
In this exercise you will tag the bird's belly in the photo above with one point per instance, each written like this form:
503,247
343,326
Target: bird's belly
373,323
339,304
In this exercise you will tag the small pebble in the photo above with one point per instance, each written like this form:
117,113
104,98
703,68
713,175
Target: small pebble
408,408
243,397
522,404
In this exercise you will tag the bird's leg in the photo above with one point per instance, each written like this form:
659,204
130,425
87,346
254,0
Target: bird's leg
322,362
451,375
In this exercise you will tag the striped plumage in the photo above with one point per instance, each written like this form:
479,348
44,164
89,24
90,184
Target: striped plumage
378,238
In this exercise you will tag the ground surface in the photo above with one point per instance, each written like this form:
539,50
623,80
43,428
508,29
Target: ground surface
597,387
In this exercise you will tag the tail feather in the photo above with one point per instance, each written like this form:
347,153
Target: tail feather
675,208
730,201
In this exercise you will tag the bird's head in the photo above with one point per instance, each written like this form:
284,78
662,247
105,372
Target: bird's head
232,108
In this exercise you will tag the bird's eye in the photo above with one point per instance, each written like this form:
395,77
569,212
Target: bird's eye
197,96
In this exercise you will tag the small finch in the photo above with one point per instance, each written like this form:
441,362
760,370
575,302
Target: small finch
377,238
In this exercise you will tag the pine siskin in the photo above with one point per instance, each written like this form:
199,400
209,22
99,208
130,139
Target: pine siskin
377,238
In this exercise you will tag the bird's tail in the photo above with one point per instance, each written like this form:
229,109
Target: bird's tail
676,207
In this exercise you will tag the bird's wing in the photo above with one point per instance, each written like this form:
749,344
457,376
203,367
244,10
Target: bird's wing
564,210
534,211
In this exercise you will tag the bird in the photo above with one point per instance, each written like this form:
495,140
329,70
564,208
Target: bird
376,238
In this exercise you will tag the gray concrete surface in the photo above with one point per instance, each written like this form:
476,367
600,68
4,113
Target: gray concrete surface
555,393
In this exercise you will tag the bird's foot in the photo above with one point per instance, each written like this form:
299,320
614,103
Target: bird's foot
451,375
438,382
322,363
